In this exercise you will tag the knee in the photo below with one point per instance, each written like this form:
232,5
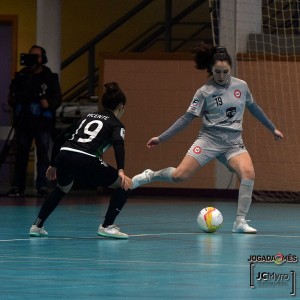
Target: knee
248,174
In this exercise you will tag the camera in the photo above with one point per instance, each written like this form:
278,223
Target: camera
28,60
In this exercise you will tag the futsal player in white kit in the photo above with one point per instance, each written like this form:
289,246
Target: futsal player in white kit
220,103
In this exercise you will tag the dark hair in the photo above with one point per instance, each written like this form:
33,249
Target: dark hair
205,56
113,96
43,52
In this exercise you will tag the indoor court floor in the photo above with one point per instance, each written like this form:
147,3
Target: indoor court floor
166,256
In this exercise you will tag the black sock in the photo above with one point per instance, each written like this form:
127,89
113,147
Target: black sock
117,201
48,206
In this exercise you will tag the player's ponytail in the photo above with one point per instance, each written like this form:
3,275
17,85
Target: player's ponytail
205,56
113,96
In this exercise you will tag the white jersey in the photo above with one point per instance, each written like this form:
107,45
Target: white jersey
221,108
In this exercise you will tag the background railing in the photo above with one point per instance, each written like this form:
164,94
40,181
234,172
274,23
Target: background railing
160,32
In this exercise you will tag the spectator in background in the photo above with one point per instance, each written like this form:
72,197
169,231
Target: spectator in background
34,96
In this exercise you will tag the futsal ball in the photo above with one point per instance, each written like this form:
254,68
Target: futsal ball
210,219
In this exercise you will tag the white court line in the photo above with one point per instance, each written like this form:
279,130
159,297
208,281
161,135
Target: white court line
152,234
110,261
213,234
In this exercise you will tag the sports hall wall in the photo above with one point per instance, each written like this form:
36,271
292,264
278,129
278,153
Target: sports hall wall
159,90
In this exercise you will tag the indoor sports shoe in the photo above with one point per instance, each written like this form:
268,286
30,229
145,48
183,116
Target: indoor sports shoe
112,231
242,227
142,178
37,231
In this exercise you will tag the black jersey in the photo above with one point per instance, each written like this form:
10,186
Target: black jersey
94,134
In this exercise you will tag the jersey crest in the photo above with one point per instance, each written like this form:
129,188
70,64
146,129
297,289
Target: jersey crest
122,133
237,93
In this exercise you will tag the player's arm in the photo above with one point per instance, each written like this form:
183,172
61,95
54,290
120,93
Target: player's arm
193,111
125,181
258,113
178,126
119,149
119,154
118,137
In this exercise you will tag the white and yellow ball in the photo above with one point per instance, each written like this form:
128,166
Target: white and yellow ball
210,219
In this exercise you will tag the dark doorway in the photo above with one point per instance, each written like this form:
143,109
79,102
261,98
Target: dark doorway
8,63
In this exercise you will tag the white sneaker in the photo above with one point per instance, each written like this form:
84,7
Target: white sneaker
243,227
112,231
142,178
37,231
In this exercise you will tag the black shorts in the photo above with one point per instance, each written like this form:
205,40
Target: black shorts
88,170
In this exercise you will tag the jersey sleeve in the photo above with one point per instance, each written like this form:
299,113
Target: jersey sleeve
179,125
258,113
118,137
193,111
249,98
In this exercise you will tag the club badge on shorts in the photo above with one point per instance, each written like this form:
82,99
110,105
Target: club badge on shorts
197,150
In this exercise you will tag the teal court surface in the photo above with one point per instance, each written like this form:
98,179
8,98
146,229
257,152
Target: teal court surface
166,256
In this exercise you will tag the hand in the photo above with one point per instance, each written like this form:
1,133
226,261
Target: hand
153,142
44,103
51,173
278,135
126,182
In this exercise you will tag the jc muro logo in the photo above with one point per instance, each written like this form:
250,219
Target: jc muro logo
264,276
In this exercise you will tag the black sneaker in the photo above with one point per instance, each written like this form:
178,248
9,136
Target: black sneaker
15,192
42,192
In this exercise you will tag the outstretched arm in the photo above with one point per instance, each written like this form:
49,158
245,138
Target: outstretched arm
179,125
258,113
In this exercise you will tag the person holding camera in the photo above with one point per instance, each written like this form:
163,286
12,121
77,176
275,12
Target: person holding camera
34,95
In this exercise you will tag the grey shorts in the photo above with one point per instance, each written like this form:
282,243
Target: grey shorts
206,148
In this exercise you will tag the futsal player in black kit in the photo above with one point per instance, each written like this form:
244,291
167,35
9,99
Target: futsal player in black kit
79,158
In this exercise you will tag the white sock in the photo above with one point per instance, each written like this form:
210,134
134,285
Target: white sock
245,198
164,175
